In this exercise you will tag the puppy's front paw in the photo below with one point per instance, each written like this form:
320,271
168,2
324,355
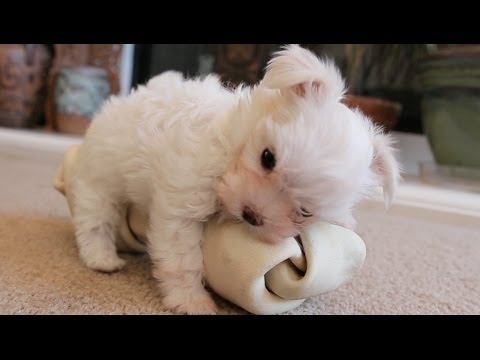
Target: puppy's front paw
106,263
191,303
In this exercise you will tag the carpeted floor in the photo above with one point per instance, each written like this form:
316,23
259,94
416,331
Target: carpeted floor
413,266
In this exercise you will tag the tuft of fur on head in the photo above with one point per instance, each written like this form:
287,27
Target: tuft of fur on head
327,156
297,68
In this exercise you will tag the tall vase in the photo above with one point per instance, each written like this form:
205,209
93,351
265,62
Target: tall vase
79,93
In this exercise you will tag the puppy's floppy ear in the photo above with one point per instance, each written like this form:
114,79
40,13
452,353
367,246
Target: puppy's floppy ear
385,166
299,70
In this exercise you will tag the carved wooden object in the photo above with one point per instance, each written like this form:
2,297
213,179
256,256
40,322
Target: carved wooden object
23,75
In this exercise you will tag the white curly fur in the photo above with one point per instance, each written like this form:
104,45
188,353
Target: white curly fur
187,149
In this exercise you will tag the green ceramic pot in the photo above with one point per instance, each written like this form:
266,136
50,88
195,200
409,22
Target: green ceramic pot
451,105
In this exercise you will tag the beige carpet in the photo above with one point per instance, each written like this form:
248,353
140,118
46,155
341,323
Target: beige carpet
413,266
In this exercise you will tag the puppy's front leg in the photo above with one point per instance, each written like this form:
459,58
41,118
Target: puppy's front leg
175,248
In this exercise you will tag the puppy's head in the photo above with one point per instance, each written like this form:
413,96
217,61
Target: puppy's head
303,155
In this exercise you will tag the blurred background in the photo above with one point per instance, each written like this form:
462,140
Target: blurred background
426,95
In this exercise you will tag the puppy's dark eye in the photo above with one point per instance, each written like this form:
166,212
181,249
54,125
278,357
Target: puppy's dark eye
304,212
268,160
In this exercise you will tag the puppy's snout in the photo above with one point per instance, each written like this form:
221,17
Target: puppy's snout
251,217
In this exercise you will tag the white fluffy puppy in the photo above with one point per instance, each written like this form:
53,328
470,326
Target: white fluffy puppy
279,156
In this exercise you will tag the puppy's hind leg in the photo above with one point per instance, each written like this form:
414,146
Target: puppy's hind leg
96,218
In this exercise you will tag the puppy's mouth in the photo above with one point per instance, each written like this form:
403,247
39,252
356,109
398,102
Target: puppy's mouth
252,217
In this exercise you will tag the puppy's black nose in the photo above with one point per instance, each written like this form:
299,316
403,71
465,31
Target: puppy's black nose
250,217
